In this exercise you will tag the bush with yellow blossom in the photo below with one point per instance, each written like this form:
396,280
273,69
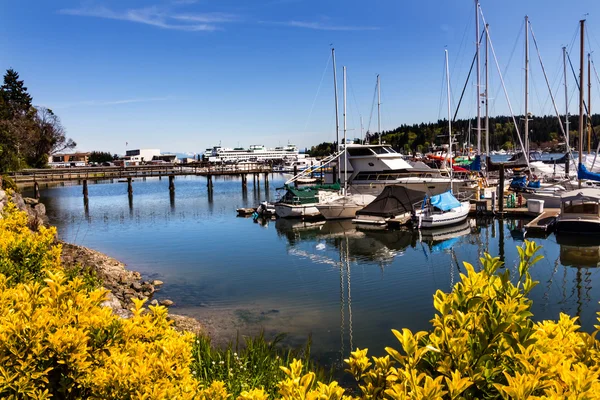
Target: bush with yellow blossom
57,341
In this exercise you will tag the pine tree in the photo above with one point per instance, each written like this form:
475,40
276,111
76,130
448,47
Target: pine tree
16,100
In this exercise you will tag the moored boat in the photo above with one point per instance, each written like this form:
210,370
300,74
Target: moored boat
579,212
441,210
301,202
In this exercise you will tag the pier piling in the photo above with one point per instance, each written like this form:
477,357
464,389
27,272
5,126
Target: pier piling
85,188
36,190
171,183
209,182
129,187
501,190
334,174
295,174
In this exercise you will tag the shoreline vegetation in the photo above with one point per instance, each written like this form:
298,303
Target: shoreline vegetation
74,324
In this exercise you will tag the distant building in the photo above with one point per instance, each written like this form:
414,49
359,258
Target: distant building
168,158
69,159
136,156
187,160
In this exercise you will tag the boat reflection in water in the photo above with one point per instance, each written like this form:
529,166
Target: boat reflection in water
578,251
445,238
380,246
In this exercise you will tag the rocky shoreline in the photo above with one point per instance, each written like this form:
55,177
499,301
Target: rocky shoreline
122,284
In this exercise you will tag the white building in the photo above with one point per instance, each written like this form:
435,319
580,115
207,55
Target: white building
141,155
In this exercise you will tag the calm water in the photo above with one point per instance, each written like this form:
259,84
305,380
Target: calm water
345,287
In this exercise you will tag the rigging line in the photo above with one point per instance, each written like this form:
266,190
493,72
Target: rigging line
547,83
355,104
512,53
503,86
555,82
442,90
578,88
467,80
462,43
312,107
372,107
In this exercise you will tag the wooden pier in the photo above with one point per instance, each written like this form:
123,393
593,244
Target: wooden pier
543,222
29,177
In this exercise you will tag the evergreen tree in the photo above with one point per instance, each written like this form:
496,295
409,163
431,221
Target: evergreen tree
16,100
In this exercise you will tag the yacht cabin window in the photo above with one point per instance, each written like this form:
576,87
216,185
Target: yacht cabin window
580,207
359,151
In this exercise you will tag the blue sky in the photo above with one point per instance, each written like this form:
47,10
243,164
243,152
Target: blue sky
183,75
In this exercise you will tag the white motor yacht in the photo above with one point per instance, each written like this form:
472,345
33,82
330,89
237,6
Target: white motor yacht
343,207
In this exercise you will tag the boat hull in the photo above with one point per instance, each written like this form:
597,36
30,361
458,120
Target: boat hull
339,211
452,217
578,226
296,211
431,186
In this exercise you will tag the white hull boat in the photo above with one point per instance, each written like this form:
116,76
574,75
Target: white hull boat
441,210
345,206
296,211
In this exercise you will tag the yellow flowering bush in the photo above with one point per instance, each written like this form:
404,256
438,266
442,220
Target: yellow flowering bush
57,341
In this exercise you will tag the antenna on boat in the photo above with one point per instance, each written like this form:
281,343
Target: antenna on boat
582,48
449,118
478,77
337,119
379,107
345,140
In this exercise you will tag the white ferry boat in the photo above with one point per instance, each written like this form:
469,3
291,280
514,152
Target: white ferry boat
255,153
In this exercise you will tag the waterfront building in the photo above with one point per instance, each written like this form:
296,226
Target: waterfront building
69,160
136,156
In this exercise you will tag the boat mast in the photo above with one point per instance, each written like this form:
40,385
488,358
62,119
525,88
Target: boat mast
487,114
379,107
566,100
478,78
337,120
589,106
345,141
526,149
361,129
449,118
581,50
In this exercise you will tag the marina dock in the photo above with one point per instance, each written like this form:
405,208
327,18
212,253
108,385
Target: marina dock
543,222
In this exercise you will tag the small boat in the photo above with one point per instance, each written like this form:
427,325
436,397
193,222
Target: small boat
441,210
394,203
265,208
302,202
344,207
304,181
579,212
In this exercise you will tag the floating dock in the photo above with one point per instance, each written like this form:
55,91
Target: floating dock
543,222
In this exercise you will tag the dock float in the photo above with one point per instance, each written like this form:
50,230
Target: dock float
543,222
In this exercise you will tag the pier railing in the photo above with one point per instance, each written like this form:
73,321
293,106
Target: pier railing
30,176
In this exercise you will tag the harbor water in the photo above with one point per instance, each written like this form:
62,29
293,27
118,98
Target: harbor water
345,287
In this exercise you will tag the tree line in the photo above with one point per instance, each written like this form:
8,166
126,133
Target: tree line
544,133
28,134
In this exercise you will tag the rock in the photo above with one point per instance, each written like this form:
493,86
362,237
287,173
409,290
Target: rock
136,286
156,282
112,302
31,201
166,303
2,195
188,324
154,302
40,209
18,200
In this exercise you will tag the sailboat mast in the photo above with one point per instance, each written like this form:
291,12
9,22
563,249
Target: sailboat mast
449,119
345,140
487,114
526,149
581,110
589,106
361,129
566,100
478,77
337,119
379,107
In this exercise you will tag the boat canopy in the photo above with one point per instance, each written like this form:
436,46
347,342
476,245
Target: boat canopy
306,195
445,201
587,194
392,201
583,173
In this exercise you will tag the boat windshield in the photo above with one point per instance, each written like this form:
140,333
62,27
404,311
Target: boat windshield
359,151
580,207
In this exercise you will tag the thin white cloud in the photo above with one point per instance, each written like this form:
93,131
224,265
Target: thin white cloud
317,25
154,16
100,103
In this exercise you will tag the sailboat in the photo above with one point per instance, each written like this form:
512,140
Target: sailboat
346,205
442,209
